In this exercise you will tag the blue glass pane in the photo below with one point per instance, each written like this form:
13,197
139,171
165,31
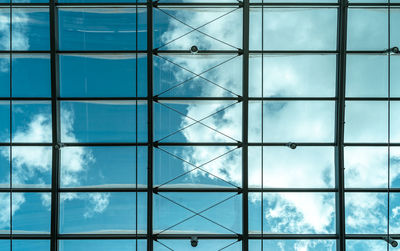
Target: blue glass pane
4,75
176,212
31,166
181,28
4,121
367,29
4,167
292,213
102,213
294,28
30,29
293,245
366,121
288,168
31,121
102,1
31,212
292,121
292,75
5,27
203,245
102,29
366,245
103,75
102,245
103,121
367,76
31,75
5,245
197,166
5,213
366,213
103,166
31,245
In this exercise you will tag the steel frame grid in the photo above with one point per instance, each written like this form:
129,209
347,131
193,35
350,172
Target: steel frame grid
339,144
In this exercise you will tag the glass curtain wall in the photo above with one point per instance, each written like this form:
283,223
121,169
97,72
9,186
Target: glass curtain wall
204,125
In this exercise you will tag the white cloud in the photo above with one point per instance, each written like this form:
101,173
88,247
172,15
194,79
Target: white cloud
30,162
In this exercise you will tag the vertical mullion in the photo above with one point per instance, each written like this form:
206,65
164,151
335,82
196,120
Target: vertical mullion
150,125
55,126
245,118
339,130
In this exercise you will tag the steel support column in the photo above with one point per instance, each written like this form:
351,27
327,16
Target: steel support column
150,125
55,126
245,121
339,133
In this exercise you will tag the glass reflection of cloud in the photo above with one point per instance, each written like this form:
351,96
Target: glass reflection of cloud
31,163
289,208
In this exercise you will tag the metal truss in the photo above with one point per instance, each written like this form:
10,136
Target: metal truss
241,99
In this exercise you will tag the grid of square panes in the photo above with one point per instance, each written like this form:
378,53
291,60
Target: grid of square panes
83,106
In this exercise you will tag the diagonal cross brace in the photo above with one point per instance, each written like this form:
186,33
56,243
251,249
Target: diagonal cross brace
198,167
197,29
197,121
197,213
197,75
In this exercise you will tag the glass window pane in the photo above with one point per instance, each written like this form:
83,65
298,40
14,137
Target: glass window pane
4,166
101,29
4,73
102,75
365,245
102,213
5,245
395,167
367,29
394,20
366,121
293,245
102,245
103,121
5,213
304,167
198,75
366,167
37,245
197,166
294,28
103,166
31,121
31,75
394,121
292,75
219,212
367,76
5,31
197,121
366,213
292,213
394,227
208,28
203,244
292,121
31,166
30,29
4,121
394,76
31,213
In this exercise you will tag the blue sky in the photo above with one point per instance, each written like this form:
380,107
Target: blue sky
114,75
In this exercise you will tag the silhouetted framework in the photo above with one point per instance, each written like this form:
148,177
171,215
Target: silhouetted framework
241,99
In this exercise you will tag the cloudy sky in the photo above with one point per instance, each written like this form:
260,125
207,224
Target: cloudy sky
183,75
